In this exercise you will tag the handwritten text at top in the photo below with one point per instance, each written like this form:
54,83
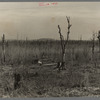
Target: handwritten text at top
47,4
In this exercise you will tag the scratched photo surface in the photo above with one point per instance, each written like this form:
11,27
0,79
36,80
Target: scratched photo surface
49,49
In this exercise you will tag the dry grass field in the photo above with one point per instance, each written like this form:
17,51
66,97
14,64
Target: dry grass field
81,77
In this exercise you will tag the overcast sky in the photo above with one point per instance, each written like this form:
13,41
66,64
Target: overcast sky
28,19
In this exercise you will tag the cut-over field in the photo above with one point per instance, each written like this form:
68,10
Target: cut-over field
81,77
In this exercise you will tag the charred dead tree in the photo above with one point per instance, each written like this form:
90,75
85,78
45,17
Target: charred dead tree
64,42
93,43
93,48
99,39
3,49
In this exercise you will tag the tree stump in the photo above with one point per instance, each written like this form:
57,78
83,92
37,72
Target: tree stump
17,79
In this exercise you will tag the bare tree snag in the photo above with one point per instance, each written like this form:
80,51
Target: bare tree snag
93,43
64,42
3,47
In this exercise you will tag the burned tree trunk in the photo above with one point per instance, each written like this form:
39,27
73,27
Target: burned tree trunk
93,44
3,48
63,44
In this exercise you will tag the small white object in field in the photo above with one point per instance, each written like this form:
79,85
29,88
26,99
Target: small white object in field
60,63
39,62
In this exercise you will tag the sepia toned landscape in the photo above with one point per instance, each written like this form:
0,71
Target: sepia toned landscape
49,51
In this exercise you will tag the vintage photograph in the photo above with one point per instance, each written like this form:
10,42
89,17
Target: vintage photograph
49,49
